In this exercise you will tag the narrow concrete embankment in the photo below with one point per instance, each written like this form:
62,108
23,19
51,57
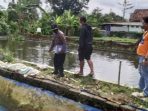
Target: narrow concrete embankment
67,91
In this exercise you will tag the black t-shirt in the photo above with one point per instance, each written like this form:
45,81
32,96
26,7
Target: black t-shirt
85,35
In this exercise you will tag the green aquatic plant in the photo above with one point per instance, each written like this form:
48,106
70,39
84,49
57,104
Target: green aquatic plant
6,55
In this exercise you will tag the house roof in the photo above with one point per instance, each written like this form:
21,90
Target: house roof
138,15
124,23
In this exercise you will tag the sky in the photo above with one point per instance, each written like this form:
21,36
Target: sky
107,6
113,5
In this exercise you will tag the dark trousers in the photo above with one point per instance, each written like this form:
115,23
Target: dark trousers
58,63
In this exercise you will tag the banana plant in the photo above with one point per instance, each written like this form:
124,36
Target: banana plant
70,21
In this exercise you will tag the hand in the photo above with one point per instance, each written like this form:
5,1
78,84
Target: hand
145,63
49,50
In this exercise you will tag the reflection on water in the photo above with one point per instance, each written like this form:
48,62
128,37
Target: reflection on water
106,64
107,69
2,108
54,102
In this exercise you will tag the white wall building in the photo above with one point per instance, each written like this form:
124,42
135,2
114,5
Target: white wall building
123,27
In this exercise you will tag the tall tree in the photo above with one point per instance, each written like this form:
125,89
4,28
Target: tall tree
25,6
24,12
95,19
59,6
112,17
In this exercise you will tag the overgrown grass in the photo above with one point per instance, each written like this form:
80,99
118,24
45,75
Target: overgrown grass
115,39
6,55
16,37
107,90
16,98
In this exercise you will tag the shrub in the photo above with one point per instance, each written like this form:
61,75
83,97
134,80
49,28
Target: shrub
4,28
6,55
126,34
13,27
96,32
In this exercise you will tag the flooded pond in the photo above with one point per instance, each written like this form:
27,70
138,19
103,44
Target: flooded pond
2,108
106,64
16,96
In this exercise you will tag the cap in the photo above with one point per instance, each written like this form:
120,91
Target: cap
54,27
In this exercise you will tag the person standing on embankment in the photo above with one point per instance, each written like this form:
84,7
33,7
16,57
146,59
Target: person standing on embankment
60,48
85,46
142,52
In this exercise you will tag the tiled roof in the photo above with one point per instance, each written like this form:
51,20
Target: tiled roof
138,15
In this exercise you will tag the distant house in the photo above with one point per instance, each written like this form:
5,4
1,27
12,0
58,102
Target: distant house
122,27
138,15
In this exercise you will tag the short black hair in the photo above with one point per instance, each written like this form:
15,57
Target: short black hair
82,18
145,19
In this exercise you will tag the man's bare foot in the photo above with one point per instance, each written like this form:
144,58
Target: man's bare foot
79,73
91,73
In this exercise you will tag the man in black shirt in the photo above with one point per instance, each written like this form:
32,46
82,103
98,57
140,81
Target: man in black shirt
85,46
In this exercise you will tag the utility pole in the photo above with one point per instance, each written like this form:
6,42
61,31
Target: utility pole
126,6
13,1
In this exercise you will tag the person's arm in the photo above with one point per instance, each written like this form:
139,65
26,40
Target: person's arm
138,41
146,39
145,62
52,45
146,55
146,58
62,38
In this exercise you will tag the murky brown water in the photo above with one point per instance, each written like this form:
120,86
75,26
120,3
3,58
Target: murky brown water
16,96
106,64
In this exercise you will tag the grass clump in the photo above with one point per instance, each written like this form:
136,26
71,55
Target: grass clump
112,92
6,55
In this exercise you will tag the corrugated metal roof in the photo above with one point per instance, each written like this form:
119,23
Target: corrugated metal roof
125,23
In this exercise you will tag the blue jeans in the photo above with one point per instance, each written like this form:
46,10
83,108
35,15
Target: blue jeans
143,71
